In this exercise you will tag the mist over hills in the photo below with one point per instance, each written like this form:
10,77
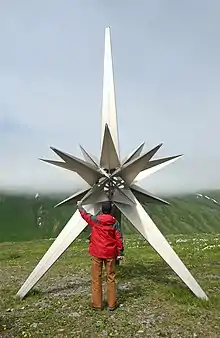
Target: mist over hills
29,217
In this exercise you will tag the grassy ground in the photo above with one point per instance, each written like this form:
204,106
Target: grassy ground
154,302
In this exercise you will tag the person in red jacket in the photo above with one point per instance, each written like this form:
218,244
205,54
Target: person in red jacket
106,246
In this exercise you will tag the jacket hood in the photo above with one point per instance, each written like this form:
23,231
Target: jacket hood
106,219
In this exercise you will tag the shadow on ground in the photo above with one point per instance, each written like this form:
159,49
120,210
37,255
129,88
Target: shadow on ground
130,277
158,273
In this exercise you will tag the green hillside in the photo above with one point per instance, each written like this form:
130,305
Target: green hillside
27,218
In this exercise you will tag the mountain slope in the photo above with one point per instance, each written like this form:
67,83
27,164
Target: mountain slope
28,217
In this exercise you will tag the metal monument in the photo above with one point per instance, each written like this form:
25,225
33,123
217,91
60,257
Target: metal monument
111,178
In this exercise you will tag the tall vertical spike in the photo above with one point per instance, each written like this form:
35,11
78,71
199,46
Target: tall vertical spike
109,113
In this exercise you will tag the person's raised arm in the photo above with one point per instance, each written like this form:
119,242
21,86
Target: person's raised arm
89,218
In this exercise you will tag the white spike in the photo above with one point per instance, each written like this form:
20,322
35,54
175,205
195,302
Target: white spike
109,114
144,196
145,173
144,224
70,232
109,157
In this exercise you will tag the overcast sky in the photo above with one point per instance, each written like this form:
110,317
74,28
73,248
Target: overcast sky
167,74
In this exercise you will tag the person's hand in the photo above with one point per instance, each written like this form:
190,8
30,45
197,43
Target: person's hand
119,258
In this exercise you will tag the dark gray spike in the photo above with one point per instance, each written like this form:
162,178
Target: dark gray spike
154,163
145,197
88,157
70,158
122,197
96,197
94,190
87,171
134,154
74,198
86,174
131,169
144,173
58,164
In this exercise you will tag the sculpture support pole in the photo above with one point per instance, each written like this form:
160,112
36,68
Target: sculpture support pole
144,224
71,231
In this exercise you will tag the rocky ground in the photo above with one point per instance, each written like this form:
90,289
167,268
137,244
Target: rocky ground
153,301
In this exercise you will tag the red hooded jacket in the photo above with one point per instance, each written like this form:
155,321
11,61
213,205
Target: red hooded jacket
106,240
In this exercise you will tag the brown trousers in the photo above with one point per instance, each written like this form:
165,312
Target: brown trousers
97,264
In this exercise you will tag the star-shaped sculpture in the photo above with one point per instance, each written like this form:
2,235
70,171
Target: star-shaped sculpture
115,180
